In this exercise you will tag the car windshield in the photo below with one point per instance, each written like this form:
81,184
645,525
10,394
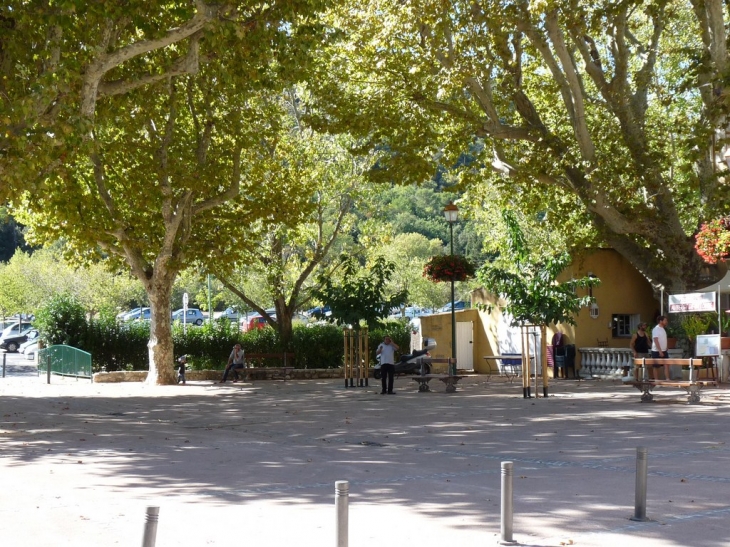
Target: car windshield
15,329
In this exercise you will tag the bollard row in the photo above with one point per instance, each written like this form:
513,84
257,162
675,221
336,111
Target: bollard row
342,494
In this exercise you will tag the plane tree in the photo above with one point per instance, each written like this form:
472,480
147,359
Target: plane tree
326,182
601,114
59,59
171,171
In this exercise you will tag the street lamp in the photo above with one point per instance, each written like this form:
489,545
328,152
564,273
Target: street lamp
451,212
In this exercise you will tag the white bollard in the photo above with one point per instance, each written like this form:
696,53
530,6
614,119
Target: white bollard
342,492
641,479
150,527
507,505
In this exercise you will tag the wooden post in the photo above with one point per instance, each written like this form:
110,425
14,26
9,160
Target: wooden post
525,341
346,354
543,352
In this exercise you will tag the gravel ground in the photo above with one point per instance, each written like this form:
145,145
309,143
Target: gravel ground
255,464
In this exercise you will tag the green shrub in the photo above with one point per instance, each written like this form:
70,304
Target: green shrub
123,346
318,346
117,346
62,321
207,347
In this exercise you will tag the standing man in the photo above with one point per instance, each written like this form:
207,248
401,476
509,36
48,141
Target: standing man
387,350
659,347
235,362
640,347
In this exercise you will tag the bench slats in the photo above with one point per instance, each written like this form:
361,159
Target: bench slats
641,361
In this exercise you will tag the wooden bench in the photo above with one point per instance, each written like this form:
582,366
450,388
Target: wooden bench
259,370
691,386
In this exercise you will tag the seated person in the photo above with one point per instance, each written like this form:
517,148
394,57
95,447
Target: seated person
235,363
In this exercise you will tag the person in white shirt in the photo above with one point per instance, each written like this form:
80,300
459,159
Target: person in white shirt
659,347
387,350
235,362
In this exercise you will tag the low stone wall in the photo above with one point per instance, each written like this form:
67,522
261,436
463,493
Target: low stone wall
216,375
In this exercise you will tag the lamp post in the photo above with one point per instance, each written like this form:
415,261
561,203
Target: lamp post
451,212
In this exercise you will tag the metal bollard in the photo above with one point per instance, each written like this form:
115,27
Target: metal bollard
342,489
5,355
641,476
150,527
507,506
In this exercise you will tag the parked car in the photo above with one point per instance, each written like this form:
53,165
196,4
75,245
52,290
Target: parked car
257,321
193,316
319,311
137,313
458,305
410,312
229,313
29,348
10,339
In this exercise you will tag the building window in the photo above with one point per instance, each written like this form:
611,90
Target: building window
624,324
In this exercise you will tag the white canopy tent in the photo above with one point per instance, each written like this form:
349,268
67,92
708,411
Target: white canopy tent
722,286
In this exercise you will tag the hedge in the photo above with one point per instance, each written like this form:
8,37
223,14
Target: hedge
118,346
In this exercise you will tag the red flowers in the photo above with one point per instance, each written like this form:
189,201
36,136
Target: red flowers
448,267
713,240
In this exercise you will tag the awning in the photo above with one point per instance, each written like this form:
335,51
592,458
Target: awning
724,285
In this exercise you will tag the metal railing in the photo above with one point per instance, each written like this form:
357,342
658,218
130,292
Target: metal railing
64,361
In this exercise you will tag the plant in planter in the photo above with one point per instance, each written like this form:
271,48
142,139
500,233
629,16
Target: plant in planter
725,330
695,324
675,331
725,323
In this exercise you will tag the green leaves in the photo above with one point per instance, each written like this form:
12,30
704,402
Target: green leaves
530,287
360,295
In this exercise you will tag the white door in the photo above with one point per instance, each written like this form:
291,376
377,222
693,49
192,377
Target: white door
465,345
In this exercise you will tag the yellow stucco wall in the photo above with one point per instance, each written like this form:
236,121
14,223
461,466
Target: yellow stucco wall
623,290
438,327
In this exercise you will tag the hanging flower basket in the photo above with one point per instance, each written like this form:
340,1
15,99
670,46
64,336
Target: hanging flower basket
448,268
713,240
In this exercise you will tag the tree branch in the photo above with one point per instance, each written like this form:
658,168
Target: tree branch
104,62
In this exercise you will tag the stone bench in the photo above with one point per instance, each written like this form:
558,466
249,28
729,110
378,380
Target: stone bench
423,381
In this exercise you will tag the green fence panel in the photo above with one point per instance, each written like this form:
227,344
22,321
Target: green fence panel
64,361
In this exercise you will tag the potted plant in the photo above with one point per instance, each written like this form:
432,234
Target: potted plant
713,240
447,268
695,324
725,330
674,332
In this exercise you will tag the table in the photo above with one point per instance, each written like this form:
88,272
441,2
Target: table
511,370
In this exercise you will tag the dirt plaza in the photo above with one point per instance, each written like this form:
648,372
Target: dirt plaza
255,463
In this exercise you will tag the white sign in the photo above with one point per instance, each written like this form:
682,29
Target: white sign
708,345
185,300
696,301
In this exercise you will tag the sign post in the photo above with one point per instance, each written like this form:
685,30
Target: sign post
185,313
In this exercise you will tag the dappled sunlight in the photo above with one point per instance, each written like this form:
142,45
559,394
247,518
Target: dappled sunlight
435,456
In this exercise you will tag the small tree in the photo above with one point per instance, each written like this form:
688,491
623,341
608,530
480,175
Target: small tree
360,296
62,321
533,294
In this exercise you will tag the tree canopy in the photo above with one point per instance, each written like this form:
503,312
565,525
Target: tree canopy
593,113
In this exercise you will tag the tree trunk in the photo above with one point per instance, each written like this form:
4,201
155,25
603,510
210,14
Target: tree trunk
284,315
161,356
